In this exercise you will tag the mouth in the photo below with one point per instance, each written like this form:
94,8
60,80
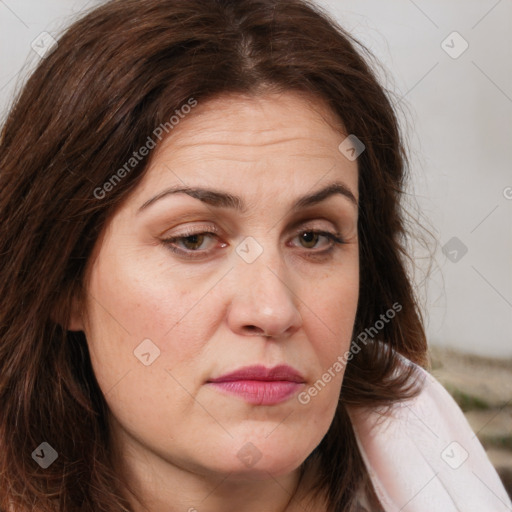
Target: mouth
259,385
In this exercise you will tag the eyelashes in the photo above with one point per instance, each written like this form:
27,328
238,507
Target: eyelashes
188,245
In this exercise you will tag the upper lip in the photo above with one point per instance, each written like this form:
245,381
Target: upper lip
258,372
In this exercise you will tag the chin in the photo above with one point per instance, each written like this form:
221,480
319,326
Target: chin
261,472
258,464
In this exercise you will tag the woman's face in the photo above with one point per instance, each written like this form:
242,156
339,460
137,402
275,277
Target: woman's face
241,274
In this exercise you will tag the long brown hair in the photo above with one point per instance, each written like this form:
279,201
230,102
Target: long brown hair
117,74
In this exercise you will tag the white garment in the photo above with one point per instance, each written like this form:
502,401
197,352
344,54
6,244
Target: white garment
424,457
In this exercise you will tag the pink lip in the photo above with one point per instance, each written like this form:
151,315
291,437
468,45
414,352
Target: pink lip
259,385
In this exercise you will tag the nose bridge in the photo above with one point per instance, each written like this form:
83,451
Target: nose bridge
263,301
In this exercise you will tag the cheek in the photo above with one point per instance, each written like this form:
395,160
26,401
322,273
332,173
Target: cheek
330,334
141,294
335,303
137,309
146,340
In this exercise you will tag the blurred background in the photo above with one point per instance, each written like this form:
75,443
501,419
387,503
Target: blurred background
448,67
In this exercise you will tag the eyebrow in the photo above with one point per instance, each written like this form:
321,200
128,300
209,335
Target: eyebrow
220,199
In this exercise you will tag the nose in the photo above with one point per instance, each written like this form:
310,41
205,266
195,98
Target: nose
263,300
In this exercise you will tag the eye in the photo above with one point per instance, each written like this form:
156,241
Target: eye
199,244
193,244
310,238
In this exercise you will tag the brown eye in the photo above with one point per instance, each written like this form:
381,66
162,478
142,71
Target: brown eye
193,242
199,244
318,242
309,239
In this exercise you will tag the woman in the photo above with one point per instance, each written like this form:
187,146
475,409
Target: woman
205,302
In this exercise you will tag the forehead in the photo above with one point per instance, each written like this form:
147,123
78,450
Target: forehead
265,120
251,144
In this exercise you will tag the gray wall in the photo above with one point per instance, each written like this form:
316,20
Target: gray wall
458,107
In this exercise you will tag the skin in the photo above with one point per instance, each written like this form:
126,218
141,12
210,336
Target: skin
176,437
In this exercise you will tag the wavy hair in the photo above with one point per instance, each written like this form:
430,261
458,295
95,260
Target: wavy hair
118,73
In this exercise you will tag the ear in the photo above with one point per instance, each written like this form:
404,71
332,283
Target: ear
69,302
76,322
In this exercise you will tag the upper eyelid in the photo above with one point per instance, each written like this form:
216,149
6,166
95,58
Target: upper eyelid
322,232
201,230
294,226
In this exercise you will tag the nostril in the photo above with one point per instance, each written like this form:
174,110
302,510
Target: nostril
254,329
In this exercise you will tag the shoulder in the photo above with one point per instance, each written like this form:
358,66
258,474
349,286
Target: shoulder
422,455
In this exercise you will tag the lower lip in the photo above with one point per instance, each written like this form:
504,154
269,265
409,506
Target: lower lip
259,392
